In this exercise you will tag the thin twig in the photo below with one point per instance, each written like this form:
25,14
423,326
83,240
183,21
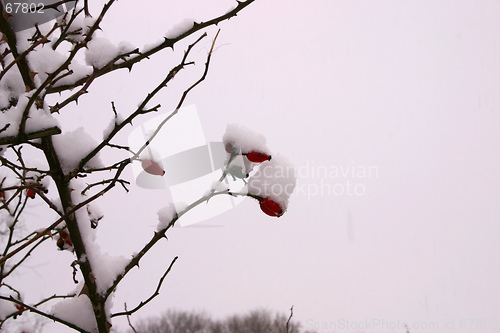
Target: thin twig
128,320
70,211
159,235
25,53
289,318
150,298
64,66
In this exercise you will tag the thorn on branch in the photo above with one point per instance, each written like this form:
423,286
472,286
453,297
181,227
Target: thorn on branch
114,109
73,264
4,128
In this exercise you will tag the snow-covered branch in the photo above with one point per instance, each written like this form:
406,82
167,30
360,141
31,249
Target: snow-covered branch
29,126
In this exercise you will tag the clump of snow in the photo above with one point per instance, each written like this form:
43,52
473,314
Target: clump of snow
77,311
104,266
114,122
7,179
180,28
11,85
44,60
94,211
100,52
165,216
78,70
149,46
245,139
23,39
38,119
33,176
181,207
82,215
26,328
79,27
219,186
72,147
150,154
8,219
126,47
275,179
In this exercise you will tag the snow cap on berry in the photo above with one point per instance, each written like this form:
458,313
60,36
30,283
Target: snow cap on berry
245,139
151,162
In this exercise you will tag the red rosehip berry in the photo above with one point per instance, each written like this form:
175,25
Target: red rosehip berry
31,193
60,244
152,167
271,208
2,196
257,157
20,307
64,240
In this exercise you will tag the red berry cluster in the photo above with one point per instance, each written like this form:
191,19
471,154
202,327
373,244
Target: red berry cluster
267,205
64,241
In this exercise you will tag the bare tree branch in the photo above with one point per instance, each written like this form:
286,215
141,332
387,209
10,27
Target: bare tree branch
29,181
140,110
25,53
167,43
41,313
150,298
128,320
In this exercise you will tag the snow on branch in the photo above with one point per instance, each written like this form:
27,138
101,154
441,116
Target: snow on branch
72,176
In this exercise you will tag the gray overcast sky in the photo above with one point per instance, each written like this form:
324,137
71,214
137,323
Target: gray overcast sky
403,93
